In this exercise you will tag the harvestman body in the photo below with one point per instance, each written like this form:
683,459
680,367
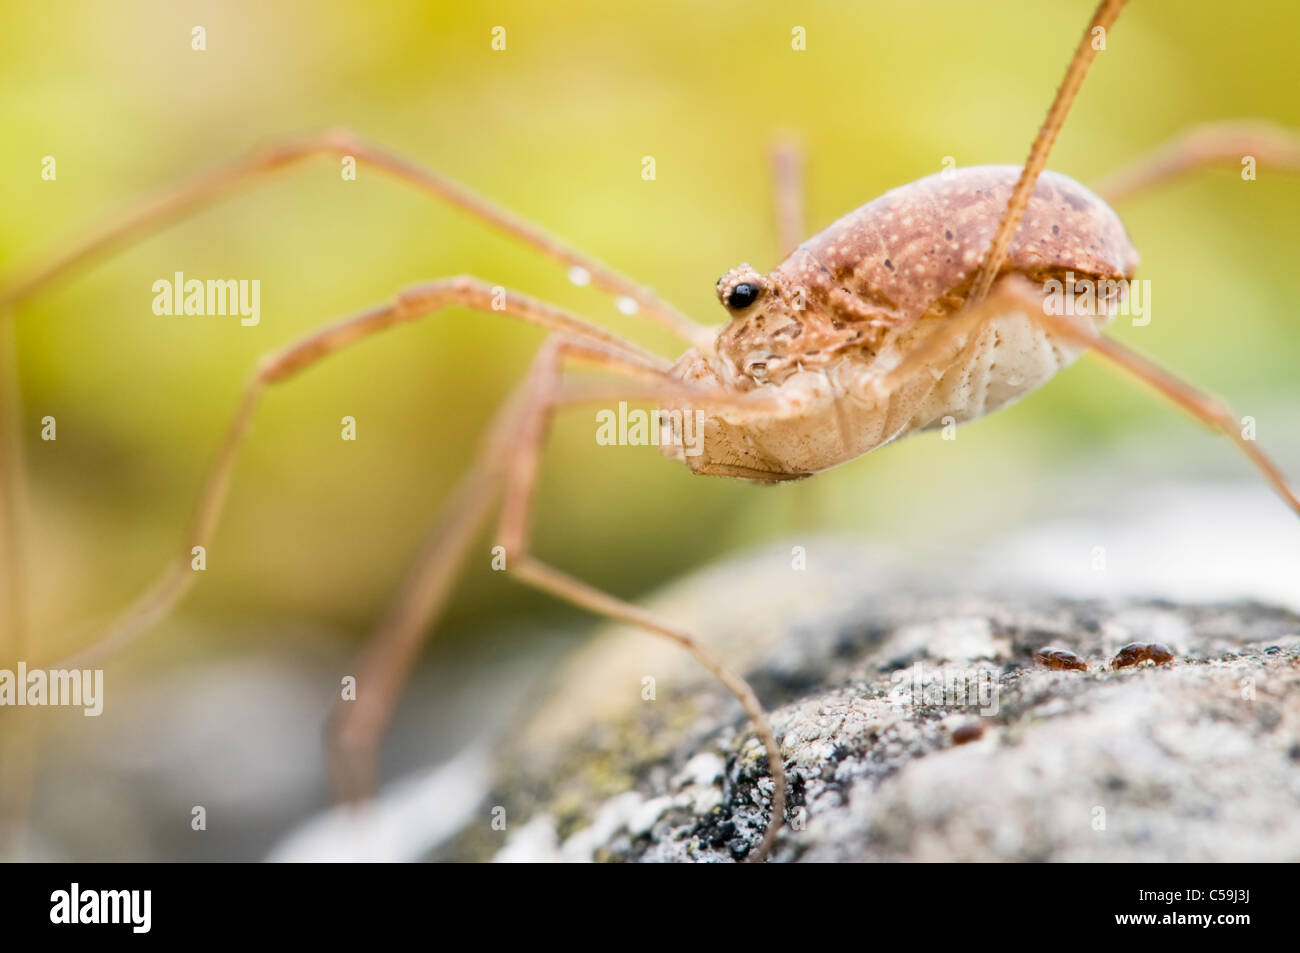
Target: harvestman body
822,331
922,307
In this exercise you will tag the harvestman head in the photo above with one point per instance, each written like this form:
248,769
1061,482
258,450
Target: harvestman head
924,304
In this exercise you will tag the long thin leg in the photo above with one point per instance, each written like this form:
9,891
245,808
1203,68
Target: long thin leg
13,637
410,305
548,579
1211,143
1209,410
18,740
514,536
384,667
1017,294
177,200
1084,54
358,725
511,456
788,205
788,192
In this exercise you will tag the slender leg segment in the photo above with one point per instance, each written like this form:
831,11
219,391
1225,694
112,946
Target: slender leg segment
509,464
514,537
1213,143
515,447
547,579
1209,410
357,727
18,740
1203,145
1107,12
175,201
788,193
411,305
13,621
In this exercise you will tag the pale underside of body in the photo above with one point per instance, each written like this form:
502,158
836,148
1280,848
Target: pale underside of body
833,416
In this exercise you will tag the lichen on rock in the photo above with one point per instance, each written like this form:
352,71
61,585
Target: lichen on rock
915,726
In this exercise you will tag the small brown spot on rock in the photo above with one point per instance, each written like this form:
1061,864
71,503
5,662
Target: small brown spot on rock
967,731
1135,653
1060,659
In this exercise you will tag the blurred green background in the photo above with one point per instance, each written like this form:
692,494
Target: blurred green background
555,128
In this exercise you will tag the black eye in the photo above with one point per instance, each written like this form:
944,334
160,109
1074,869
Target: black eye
742,296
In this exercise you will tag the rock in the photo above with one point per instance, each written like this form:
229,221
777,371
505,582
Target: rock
915,726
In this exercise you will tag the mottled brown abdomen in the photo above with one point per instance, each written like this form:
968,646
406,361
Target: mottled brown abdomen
903,251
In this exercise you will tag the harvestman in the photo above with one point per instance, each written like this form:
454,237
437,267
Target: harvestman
926,303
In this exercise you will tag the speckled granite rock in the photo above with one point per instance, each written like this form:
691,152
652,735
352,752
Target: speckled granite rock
888,758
